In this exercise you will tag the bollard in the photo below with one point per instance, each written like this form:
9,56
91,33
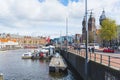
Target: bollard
100,58
95,57
108,60
1,76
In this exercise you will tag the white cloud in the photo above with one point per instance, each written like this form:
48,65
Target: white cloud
110,8
48,17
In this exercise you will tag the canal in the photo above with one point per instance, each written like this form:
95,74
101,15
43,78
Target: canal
15,68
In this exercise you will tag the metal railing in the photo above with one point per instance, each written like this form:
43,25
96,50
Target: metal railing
108,60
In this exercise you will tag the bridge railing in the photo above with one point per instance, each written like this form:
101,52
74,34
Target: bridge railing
108,60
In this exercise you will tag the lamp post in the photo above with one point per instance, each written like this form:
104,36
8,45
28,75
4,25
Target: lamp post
60,41
66,34
86,58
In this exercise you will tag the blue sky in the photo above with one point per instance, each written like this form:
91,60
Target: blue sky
48,17
66,2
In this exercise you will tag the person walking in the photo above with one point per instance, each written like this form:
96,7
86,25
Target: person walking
90,49
93,49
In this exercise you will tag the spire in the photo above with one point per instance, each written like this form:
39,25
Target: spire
91,22
83,22
84,18
91,14
103,14
83,29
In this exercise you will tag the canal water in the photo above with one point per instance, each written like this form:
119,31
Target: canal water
15,68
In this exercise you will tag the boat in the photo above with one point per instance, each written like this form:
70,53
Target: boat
47,51
44,53
27,55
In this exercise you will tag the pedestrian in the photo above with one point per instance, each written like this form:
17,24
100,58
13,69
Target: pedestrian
90,49
93,50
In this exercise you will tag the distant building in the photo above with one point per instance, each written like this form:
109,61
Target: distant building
6,43
24,40
91,29
63,40
91,23
32,41
102,17
77,38
97,32
83,31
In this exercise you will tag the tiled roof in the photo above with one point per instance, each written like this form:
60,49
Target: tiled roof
6,40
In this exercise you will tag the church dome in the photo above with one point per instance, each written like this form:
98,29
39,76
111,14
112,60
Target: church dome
102,17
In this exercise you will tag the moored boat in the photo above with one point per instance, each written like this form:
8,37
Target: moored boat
27,55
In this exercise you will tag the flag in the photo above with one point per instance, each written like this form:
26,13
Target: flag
48,39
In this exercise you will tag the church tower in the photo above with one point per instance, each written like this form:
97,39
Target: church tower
91,28
91,23
102,17
83,29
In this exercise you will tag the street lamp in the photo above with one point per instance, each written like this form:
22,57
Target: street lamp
60,41
86,58
66,34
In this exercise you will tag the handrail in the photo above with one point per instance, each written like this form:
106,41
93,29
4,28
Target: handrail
105,59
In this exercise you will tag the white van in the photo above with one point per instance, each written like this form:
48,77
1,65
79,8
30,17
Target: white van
96,45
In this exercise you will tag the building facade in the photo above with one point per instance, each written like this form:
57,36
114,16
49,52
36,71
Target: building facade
83,38
91,23
24,40
77,38
91,29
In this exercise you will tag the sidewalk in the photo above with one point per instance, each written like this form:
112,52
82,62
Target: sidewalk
109,59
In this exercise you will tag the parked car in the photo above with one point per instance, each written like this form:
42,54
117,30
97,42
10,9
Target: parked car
82,45
95,45
118,47
108,50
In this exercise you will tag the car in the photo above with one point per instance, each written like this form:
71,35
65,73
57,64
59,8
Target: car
118,47
95,45
108,50
82,45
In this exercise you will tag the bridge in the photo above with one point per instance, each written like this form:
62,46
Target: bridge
101,66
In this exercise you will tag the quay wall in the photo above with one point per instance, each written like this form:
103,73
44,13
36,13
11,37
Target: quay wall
96,71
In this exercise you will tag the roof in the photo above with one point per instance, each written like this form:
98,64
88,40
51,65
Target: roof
7,40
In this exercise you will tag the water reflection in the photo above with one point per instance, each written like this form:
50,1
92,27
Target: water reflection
15,68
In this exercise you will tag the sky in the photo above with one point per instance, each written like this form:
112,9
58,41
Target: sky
48,17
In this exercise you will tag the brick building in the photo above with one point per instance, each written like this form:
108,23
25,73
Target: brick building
91,29
24,40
